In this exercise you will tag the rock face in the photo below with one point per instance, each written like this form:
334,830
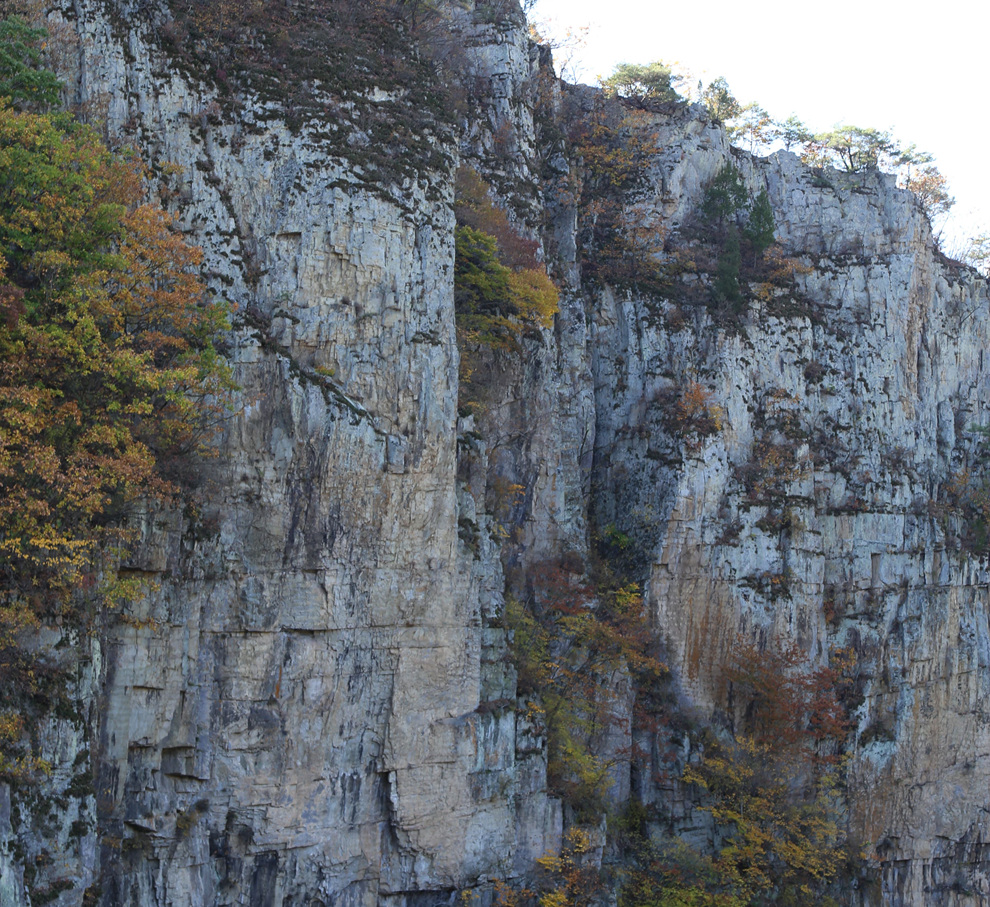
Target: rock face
315,706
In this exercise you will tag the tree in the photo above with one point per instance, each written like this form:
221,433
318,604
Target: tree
792,132
497,275
643,84
109,376
977,253
724,196
726,287
932,190
857,148
760,229
775,786
21,80
753,124
720,102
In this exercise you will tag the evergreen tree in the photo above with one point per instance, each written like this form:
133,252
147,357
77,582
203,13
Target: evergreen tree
726,287
760,229
21,79
724,196
643,83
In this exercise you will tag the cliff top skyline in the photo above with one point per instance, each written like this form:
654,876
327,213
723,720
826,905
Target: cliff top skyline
877,66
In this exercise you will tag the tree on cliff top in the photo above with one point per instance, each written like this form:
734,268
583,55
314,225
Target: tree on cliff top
643,84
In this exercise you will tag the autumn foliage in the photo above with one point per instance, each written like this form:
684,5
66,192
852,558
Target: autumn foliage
109,377
775,786
500,285
577,647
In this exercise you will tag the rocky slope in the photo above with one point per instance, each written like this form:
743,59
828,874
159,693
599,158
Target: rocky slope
315,705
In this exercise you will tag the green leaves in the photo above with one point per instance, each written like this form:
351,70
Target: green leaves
21,80
725,195
108,365
643,83
761,226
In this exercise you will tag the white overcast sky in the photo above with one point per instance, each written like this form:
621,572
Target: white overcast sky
920,70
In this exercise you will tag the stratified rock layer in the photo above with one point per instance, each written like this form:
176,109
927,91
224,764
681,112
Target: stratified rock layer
315,705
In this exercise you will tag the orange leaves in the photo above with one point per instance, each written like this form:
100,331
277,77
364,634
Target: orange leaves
576,648
497,276
788,705
107,374
691,412
106,344
775,787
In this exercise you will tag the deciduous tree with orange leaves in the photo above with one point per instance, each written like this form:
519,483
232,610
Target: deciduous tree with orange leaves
109,375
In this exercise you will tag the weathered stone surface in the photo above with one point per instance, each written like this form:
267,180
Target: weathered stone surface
878,431
315,705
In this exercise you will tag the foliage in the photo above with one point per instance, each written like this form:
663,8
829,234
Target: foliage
643,84
109,378
755,125
692,413
761,226
570,879
572,645
473,207
719,101
22,80
619,230
968,498
725,195
977,253
856,148
481,281
792,132
775,787
725,287
677,876
741,231
932,191
499,285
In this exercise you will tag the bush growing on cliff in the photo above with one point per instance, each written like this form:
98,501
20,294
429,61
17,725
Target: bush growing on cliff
619,228
109,376
500,287
573,645
775,786
643,84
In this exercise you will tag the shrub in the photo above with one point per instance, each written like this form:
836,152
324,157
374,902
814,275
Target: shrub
692,413
570,643
776,787
499,286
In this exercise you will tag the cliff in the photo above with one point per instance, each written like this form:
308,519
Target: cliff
314,704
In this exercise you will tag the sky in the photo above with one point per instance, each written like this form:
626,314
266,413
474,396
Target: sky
920,71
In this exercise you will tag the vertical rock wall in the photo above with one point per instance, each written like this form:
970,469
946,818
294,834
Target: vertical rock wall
314,706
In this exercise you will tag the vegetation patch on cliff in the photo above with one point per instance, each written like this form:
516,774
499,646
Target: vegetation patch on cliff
110,382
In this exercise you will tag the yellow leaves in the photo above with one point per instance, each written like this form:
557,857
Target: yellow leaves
692,413
553,898
107,371
775,790
535,295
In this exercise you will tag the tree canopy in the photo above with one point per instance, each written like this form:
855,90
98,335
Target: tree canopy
109,372
643,83
110,381
21,78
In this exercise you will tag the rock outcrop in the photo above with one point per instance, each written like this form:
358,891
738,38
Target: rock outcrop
315,705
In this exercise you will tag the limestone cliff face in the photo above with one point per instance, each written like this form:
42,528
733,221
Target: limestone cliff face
875,388
314,706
